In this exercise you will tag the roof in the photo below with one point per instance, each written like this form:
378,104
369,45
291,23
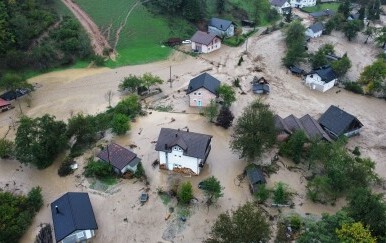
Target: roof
280,125
338,121
118,156
4,103
295,69
257,86
206,81
194,144
322,13
316,27
327,74
221,24
74,213
278,3
255,175
203,37
293,123
312,128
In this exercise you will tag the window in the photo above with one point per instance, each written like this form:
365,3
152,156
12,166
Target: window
195,93
199,93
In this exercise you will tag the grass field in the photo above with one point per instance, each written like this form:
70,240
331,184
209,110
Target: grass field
140,39
322,6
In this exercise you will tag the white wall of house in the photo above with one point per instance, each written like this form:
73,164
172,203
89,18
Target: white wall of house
176,159
214,45
81,235
228,33
128,167
315,82
280,9
302,3
313,34
201,98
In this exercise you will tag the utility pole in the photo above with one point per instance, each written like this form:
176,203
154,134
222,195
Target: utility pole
170,76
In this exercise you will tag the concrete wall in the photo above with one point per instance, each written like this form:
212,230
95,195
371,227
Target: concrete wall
302,3
201,95
176,159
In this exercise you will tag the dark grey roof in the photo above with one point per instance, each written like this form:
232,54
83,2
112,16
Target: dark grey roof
220,24
255,175
338,121
260,87
118,156
316,27
297,70
206,81
293,123
312,128
203,37
280,125
326,12
278,3
194,144
74,213
325,73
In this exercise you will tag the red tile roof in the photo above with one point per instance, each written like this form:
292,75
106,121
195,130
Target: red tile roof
4,103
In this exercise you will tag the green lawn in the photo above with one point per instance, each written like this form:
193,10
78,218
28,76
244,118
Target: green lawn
140,39
322,6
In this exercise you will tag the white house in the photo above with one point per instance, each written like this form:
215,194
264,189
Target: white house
202,89
302,3
315,30
120,158
73,218
221,27
281,6
182,151
203,42
321,79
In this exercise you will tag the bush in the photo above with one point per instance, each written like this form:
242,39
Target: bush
236,83
353,87
6,148
35,198
140,171
281,194
98,169
185,192
356,151
129,106
295,222
120,124
65,167
240,61
225,118
98,60
293,148
262,193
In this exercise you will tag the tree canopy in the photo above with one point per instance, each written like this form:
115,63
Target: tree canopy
246,224
374,75
212,190
227,94
295,41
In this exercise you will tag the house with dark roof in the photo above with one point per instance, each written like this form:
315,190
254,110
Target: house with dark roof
202,89
311,128
337,122
281,6
73,218
260,86
255,177
302,3
120,158
221,27
203,42
315,30
321,79
183,151
323,13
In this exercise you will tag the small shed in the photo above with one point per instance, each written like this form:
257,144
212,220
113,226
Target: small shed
255,177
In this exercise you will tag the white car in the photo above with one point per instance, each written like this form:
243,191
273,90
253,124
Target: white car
186,42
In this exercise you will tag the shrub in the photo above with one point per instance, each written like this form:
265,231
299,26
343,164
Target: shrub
6,148
281,194
356,151
99,61
295,222
140,171
185,192
65,167
225,118
35,198
353,87
98,169
293,148
262,193
120,124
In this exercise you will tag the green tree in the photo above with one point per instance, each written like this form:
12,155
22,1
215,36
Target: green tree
225,118
295,41
246,224
220,5
35,198
211,110
149,80
369,32
374,75
227,94
351,28
185,192
260,10
344,8
98,169
12,82
368,208
254,131
6,148
293,148
352,233
83,128
319,59
281,194
38,141
374,9
120,124
130,83
341,66
129,106
6,35
381,38
212,189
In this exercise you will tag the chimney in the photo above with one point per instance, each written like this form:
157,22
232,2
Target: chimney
221,26
176,135
57,209
187,129
166,146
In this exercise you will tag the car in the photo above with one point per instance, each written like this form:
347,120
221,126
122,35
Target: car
186,42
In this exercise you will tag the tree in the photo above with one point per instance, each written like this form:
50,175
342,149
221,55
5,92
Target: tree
295,41
293,148
83,128
185,193
212,189
254,131
381,38
369,32
246,224
98,169
211,110
352,233
130,83
341,66
227,94
374,10
149,80
374,75
120,124
220,4
12,82
319,59
344,8
351,28
288,16
225,118
260,10
368,208
6,148
38,141
129,106
281,194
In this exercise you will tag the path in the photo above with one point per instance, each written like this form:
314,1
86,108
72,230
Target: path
98,41
118,33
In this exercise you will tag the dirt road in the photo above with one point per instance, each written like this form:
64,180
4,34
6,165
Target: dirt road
98,41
